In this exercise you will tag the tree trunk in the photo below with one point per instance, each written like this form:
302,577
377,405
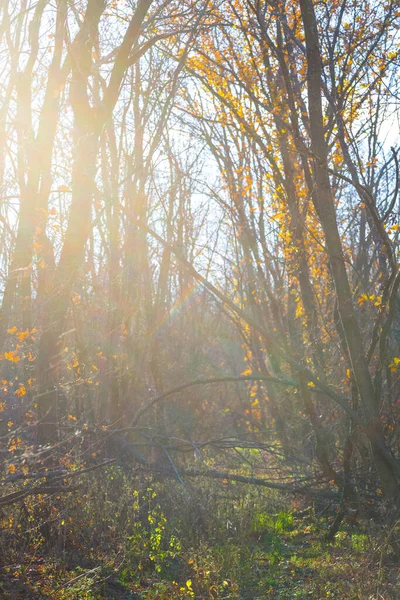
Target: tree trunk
324,205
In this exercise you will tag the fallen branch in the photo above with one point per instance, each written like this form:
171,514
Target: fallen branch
256,481
49,487
39,489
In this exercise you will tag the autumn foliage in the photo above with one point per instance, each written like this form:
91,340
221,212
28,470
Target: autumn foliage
200,241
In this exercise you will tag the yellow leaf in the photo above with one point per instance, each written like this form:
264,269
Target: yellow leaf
246,372
395,364
12,356
22,391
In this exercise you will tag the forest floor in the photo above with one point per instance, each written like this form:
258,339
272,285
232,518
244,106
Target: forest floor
286,558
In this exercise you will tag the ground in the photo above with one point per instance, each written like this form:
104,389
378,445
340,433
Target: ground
283,557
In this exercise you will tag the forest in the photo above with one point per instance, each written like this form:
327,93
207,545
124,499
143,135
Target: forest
199,299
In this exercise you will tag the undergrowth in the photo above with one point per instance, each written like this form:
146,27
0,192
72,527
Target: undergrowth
123,538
